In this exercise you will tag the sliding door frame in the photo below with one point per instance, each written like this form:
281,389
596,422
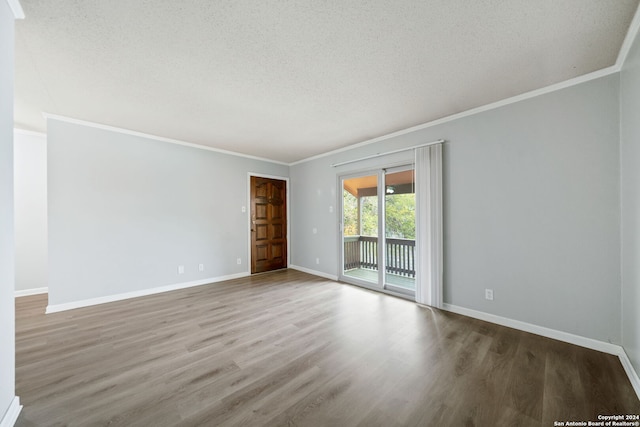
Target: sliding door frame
380,172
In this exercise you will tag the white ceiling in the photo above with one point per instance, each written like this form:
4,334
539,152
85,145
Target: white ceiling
286,80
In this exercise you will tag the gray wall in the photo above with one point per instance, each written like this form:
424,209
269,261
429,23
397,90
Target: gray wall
531,209
7,269
126,211
630,190
30,174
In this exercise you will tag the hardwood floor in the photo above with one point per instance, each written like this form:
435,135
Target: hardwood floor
287,348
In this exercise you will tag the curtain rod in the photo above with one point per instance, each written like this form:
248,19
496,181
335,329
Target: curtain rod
440,141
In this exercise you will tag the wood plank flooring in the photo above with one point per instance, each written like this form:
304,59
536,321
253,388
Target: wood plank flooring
287,348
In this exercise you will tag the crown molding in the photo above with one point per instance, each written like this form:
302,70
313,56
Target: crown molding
155,137
632,33
16,8
492,106
488,107
634,29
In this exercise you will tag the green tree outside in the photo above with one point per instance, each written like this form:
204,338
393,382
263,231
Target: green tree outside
400,215
350,214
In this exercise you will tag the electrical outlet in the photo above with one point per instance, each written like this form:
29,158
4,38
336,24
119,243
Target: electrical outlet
317,260
488,294
181,269
330,209
239,261
200,267
244,209
315,231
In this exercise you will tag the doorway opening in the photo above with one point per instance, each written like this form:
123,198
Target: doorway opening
378,230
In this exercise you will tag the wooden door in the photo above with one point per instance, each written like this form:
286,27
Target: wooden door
268,224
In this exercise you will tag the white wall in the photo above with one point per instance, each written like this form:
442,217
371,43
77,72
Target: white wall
7,269
126,211
531,209
630,191
30,174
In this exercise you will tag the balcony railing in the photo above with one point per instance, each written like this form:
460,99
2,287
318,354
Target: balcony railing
362,252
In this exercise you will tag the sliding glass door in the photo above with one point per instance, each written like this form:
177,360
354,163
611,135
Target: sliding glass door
378,230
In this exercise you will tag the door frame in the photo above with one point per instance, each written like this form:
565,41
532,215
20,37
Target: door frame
380,172
248,213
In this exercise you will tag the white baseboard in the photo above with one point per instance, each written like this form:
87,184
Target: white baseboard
314,272
631,373
27,292
11,416
604,347
144,292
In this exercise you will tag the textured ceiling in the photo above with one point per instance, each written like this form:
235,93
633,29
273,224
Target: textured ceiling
287,80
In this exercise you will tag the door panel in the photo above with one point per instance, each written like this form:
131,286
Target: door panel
268,224
400,230
360,226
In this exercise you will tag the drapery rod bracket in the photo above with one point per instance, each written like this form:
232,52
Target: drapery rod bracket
373,156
